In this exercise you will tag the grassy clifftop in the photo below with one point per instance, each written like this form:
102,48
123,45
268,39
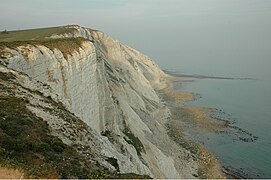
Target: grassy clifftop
32,34
66,45
34,37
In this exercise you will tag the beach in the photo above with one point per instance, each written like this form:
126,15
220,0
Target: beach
198,119
193,127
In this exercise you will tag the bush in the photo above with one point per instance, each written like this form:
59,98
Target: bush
133,140
4,32
114,162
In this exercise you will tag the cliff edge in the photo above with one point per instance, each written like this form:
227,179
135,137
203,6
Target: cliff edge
94,95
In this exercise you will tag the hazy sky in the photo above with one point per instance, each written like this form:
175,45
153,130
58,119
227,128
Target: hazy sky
201,36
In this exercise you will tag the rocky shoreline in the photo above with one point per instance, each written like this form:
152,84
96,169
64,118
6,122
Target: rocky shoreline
209,167
189,122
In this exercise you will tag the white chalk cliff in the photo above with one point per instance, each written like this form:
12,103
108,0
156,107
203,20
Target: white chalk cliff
112,88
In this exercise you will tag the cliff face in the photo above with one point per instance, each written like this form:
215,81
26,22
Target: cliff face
111,88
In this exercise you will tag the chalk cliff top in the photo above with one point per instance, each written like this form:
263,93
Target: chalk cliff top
34,34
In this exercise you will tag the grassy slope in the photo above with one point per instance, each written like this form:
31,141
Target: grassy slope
26,142
32,34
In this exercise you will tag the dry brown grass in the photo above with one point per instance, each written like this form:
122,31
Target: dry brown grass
66,45
8,173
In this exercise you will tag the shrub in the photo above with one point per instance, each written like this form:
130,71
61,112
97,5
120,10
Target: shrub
4,32
133,140
114,162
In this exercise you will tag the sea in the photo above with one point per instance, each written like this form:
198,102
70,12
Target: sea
245,103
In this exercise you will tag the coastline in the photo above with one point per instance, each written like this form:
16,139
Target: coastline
200,118
190,127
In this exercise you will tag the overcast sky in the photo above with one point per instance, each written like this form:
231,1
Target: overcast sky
188,35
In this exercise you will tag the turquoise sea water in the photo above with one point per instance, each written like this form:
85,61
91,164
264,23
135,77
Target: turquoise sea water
248,103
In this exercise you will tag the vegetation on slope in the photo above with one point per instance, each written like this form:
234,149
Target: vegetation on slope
26,143
66,45
133,140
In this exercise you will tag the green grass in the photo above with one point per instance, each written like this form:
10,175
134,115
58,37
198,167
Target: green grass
32,34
